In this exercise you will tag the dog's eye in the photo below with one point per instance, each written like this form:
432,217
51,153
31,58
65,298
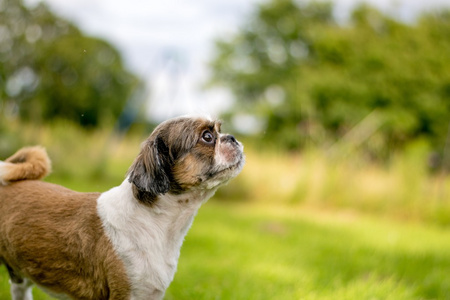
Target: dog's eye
208,137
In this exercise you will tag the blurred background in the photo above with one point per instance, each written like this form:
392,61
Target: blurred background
343,107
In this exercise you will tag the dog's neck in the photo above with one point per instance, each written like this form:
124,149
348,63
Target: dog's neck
148,238
174,214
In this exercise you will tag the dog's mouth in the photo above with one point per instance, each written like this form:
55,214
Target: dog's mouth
238,165
231,170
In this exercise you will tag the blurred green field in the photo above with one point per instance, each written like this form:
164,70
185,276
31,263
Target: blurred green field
309,225
264,252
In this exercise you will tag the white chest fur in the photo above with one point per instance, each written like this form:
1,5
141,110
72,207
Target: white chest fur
148,239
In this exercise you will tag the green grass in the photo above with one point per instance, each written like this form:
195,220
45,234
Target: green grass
254,252
243,251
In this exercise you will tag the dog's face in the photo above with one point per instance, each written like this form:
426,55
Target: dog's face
185,154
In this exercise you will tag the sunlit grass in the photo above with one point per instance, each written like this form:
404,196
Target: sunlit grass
262,252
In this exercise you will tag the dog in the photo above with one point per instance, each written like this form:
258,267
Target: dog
120,244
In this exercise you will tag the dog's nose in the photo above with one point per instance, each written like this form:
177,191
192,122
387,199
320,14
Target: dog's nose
229,139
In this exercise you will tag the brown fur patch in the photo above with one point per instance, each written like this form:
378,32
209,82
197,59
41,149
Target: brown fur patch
27,163
187,172
54,236
192,169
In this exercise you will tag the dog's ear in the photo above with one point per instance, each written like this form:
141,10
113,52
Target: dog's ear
150,172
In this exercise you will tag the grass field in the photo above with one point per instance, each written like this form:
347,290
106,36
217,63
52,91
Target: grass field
242,251
264,252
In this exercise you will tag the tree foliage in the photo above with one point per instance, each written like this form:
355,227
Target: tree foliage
313,79
49,69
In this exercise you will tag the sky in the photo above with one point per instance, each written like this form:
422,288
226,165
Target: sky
169,43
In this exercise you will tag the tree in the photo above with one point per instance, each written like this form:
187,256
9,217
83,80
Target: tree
312,79
50,70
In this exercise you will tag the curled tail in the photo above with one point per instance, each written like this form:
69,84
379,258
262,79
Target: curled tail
27,163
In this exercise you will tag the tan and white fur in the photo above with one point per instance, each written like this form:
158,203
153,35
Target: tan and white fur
120,244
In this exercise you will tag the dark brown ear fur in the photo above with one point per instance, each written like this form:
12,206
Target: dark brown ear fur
151,171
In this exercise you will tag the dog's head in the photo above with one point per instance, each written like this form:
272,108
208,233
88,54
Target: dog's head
185,154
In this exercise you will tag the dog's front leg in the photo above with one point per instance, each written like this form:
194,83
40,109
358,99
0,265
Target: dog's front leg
22,291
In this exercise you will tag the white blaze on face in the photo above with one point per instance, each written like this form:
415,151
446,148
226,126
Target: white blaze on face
229,160
228,154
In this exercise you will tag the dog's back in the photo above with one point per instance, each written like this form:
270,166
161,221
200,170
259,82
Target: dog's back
27,163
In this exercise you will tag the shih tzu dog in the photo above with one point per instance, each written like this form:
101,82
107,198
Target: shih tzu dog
120,244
